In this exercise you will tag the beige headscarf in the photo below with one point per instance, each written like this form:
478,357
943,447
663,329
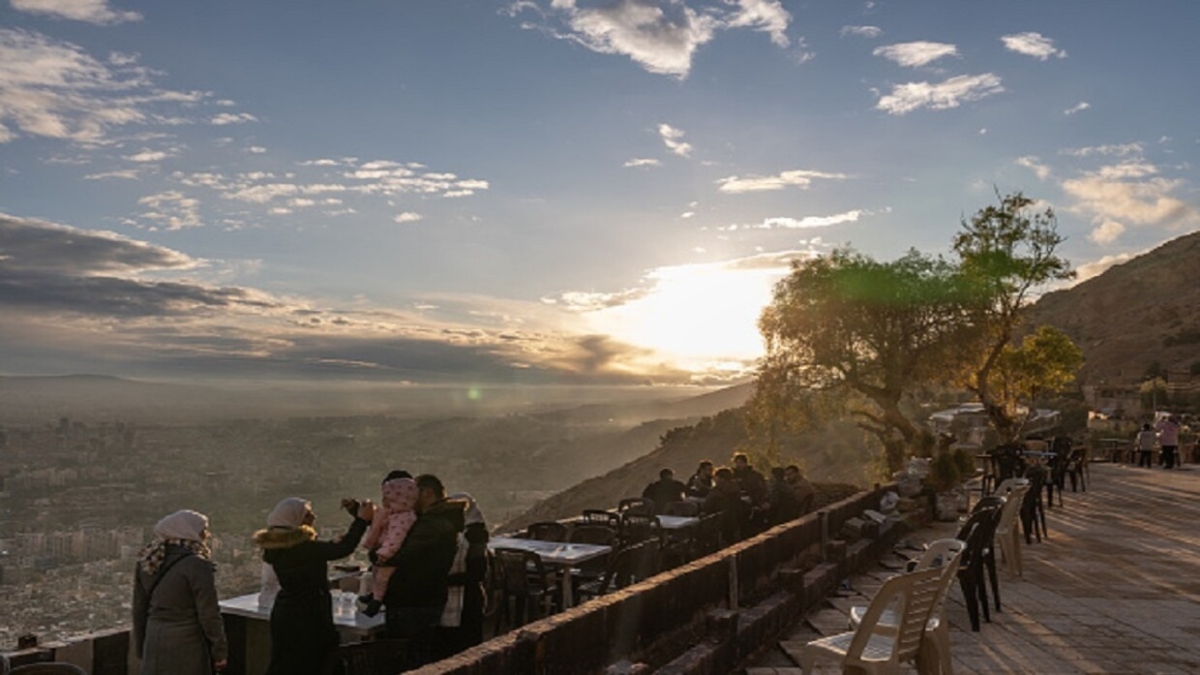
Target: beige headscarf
289,513
182,528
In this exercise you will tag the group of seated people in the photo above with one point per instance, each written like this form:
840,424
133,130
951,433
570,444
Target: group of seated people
746,500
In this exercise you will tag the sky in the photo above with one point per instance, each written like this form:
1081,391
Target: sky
541,191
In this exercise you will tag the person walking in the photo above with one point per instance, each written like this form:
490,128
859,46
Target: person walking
303,638
177,626
1168,440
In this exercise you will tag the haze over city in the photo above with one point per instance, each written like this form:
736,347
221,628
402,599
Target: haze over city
529,192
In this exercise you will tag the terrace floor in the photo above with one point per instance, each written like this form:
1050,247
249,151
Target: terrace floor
1115,588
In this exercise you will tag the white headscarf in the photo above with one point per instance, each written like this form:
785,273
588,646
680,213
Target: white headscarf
185,524
471,515
183,528
289,513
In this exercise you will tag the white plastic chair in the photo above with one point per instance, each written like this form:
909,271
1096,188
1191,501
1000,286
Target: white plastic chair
1008,530
944,555
876,648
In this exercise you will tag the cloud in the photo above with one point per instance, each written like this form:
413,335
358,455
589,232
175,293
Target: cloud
1030,162
127,174
1120,150
807,222
640,162
911,96
172,209
662,36
1096,268
1078,107
224,119
54,89
91,11
767,16
913,54
861,31
408,217
28,244
672,138
800,178
1130,193
1032,44
148,156
256,150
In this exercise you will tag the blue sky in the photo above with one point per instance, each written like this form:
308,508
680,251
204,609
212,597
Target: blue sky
540,191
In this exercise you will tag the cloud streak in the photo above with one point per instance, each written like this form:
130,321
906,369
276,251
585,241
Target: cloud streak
90,11
914,54
950,93
1032,44
797,178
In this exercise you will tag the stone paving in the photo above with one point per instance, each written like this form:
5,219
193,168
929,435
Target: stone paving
1114,589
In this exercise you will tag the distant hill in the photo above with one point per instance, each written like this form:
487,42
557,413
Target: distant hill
836,456
1143,311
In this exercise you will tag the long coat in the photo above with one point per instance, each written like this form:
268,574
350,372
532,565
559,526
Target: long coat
302,633
178,629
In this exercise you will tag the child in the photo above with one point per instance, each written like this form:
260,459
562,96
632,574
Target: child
388,529
1145,445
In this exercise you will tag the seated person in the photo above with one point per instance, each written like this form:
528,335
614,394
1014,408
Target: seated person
701,482
751,482
783,503
726,499
664,490
805,492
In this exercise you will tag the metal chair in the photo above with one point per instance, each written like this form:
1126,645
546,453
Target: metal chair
978,558
636,505
600,517
522,578
547,530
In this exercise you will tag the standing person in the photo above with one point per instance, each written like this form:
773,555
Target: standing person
303,638
461,626
388,529
1145,445
416,593
1168,440
664,490
701,482
177,627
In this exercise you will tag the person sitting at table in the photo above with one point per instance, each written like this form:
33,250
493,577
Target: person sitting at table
750,481
701,482
1146,439
416,593
725,498
303,638
388,529
783,504
805,492
664,490
177,625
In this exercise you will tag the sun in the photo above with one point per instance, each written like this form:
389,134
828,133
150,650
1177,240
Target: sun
695,316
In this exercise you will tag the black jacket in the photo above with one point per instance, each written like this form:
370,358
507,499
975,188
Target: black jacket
423,561
302,631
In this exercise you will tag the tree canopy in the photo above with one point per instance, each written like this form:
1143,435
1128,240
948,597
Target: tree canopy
858,330
845,332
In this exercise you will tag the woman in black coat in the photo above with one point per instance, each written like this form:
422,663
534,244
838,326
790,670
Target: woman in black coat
303,637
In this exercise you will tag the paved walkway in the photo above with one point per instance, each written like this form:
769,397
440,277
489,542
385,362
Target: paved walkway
1115,588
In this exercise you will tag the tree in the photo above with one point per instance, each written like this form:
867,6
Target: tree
1005,253
847,333
1044,363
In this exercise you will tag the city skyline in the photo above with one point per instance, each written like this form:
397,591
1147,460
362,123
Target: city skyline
550,192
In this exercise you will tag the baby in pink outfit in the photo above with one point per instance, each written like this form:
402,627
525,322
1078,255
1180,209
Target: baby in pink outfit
388,530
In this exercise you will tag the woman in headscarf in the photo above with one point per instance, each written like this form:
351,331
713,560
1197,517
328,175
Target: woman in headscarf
177,627
303,638
461,626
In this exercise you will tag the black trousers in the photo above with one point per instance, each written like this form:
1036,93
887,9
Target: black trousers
1144,458
1168,456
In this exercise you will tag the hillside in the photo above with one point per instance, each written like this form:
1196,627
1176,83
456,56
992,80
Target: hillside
1144,311
838,455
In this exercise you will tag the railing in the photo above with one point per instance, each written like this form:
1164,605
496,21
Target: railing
656,620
